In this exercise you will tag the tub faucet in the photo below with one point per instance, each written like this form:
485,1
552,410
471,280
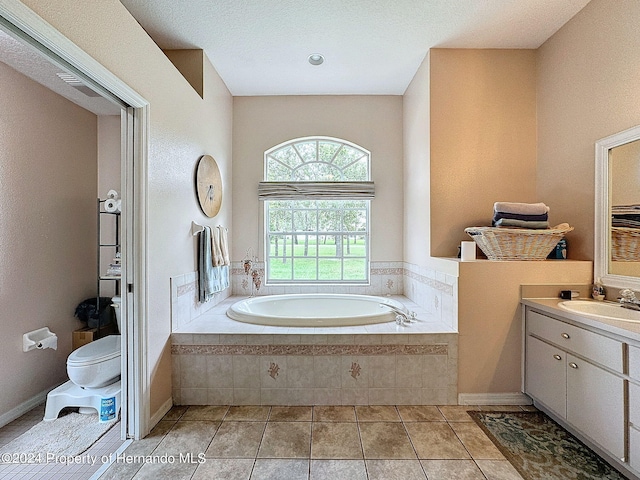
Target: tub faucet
403,317
628,299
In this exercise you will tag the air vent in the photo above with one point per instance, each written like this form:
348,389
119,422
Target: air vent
76,83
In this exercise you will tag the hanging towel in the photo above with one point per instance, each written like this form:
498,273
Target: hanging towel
521,208
224,245
205,266
216,252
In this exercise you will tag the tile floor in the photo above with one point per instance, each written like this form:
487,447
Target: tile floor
107,445
321,442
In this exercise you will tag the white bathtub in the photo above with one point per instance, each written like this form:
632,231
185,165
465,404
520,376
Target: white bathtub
314,310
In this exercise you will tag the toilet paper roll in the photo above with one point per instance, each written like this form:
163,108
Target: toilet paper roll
113,194
467,251
111,205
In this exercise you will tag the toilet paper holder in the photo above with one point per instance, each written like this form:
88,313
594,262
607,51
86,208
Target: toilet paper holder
39,339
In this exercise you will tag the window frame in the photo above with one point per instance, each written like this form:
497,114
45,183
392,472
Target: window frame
317,205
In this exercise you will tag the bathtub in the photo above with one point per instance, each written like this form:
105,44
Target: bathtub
314,310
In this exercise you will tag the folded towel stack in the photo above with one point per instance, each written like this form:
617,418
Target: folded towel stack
521,215
627,216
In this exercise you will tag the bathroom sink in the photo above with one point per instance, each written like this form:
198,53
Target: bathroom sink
611,311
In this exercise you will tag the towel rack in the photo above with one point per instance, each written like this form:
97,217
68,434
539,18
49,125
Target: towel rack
196,228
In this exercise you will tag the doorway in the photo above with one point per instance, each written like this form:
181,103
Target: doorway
38,37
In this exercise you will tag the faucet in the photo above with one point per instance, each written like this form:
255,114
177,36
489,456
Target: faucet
628,299
403,317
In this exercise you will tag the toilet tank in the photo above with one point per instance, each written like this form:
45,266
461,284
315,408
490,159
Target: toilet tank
116,303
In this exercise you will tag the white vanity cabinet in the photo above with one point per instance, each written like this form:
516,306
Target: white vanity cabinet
577,374
634,407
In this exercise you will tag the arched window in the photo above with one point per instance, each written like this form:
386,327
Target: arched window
317,192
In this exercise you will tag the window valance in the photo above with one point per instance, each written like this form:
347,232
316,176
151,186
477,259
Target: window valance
315,190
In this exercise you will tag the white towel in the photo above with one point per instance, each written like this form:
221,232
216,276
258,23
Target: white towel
216,253
521,208
224,245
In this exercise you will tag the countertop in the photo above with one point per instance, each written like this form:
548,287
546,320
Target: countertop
628,330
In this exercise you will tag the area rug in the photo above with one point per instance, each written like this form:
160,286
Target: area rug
68,435
540,449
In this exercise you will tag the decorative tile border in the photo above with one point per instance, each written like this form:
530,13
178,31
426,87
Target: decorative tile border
430,282
368,350
185,289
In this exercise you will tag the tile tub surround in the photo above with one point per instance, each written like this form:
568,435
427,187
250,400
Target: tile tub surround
385,278
184,299
217,360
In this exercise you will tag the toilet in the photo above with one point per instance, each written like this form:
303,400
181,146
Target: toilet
94,378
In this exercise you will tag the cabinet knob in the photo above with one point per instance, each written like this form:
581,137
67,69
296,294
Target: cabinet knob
557,357
565,335
573,365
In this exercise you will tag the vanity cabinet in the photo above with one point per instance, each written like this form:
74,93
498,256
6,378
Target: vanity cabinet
578,375
634,407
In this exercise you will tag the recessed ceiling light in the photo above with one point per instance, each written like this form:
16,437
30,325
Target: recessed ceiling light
316,59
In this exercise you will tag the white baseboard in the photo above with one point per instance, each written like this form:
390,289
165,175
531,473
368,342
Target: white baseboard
162,411
516,398
24,407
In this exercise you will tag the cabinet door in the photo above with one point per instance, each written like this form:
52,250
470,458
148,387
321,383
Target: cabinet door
634,449
595,404
545,375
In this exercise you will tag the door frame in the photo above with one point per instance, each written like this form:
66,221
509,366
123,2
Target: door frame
25,25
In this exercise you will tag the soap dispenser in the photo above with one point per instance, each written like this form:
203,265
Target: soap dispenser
598,291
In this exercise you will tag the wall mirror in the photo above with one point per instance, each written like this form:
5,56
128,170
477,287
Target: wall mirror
617,210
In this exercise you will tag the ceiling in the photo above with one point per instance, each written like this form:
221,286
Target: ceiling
374,47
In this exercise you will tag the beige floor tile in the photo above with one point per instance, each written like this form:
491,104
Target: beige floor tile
457,413
286,440
280,469
175,412
498,470
205,412
435,441
452,469
120,471
476,441
224,469
166,471
334,414
338,470
236,440
395,470
187,437
377,413
249,413
420,413
385,440
335,440
290,414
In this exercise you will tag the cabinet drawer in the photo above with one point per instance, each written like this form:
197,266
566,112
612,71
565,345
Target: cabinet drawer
597,348
634,405
634,362
634,449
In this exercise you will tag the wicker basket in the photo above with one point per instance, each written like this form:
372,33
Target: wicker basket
503,243
625,244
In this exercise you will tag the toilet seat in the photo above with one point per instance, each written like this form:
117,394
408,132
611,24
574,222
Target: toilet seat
101,350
